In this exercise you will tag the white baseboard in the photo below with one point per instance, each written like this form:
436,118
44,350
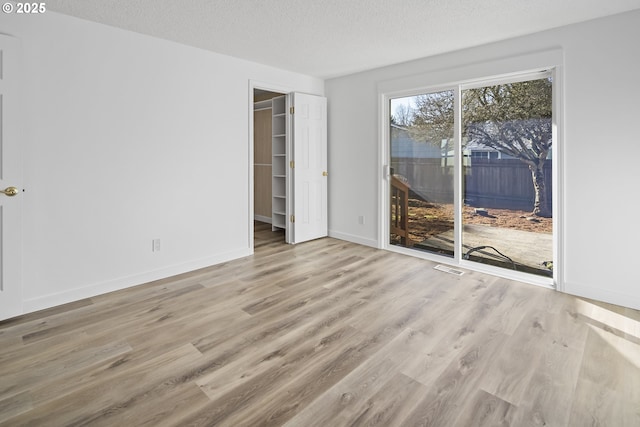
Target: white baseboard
95,289
261,218
354,239
603,295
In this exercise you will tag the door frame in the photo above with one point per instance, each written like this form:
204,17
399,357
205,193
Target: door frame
255,84
455,78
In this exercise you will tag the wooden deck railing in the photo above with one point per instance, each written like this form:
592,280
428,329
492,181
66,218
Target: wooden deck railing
400,210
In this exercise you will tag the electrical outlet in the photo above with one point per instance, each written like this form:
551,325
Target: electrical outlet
361,220
155,245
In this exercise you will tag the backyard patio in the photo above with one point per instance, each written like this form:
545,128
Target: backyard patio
525,239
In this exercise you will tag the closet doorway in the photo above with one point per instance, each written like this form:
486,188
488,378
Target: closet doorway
263,160
289,163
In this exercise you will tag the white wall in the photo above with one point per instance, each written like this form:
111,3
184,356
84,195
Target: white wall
128,138
601,146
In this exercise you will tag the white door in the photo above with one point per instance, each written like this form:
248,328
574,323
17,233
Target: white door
10,183
309,177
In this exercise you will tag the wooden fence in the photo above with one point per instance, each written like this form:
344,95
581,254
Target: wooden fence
490,183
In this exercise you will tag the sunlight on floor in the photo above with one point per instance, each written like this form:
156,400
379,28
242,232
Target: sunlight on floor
620,332
627,349
609,318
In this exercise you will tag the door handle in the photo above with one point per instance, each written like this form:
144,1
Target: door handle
10,191
325,173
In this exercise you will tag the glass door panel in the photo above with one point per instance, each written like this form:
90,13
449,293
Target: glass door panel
506,175
422,172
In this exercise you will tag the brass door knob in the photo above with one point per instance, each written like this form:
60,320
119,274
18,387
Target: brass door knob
10,191
325,173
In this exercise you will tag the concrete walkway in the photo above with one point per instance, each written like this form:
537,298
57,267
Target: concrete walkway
523,247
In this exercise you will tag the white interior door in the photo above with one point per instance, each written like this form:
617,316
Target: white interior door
10,183
309,202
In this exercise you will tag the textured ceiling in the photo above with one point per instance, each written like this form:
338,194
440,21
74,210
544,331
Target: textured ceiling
328,38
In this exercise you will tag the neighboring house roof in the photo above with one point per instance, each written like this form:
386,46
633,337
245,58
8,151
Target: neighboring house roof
474,145
404,146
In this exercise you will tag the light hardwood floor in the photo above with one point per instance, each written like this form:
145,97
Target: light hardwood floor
325,333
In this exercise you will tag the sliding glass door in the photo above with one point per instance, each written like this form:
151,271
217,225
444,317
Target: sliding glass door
507,139
422,171
485,196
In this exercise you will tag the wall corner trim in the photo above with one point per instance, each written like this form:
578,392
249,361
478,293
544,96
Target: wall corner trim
353,239
604,295
100,288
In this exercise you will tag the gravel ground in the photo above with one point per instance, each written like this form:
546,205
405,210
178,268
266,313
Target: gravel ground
428,219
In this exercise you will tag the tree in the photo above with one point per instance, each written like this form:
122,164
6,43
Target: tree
515,119
403,115
433,117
